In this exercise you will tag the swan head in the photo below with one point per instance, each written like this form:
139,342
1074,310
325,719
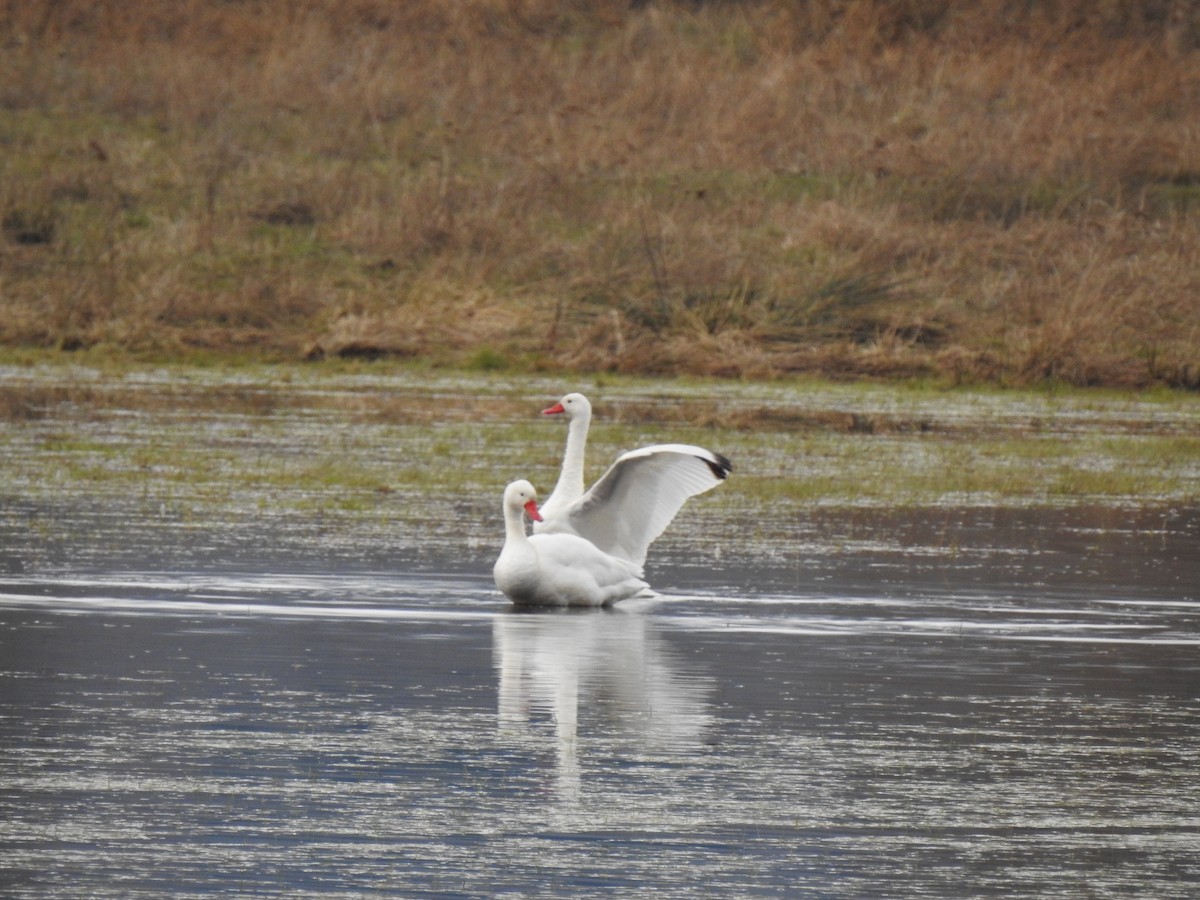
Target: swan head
521,495
573,405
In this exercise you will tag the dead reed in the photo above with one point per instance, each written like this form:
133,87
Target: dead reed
1006,193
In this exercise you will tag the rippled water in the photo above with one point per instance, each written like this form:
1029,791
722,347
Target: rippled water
908,728
211,686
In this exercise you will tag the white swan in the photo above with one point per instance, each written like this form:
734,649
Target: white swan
556,569
636,499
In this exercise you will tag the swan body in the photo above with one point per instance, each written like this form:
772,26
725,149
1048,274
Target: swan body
635,500
557,569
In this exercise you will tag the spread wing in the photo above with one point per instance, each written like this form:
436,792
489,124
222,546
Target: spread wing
636,499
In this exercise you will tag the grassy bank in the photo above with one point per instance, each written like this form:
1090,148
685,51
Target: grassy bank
1002,194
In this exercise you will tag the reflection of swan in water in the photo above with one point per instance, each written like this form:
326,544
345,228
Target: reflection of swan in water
612,665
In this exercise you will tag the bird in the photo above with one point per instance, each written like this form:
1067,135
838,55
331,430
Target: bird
626,510
557,569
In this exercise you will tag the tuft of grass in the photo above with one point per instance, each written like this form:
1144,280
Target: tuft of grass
487,359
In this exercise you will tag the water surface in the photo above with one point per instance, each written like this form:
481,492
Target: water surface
302,734
220,680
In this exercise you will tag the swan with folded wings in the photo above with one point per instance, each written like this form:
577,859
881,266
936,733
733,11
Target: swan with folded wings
557,569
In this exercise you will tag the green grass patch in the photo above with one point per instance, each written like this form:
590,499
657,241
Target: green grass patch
386,441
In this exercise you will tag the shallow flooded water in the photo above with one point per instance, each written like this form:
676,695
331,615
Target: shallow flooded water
984,727
200,698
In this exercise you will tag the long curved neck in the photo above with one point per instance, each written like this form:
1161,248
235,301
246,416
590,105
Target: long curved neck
514,526
570,479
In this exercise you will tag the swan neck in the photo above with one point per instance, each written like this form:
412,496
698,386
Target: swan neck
514,526
570,480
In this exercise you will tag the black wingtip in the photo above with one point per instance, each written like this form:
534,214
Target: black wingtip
720,466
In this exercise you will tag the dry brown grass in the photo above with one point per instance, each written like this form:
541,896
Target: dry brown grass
1003,192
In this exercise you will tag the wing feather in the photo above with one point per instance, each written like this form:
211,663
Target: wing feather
642,491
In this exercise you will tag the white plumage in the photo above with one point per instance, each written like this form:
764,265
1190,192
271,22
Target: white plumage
557,569
635,500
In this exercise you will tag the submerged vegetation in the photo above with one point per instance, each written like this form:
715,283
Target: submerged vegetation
992,193
342,450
